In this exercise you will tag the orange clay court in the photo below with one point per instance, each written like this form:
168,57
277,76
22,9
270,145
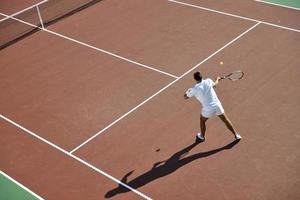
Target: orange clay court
92,107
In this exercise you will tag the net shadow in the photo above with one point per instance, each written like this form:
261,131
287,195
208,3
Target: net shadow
12,30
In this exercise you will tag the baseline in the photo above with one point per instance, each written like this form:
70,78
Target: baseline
233,15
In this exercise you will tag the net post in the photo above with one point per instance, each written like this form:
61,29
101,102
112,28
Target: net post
40,16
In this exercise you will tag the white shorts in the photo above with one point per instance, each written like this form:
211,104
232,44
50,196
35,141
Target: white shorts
211,111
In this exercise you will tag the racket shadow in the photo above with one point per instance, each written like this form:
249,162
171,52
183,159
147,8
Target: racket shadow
164,168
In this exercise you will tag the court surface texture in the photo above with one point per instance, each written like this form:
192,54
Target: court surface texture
92,107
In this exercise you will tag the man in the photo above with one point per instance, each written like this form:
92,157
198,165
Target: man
211,105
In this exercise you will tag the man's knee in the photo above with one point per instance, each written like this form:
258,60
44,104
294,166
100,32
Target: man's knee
203,119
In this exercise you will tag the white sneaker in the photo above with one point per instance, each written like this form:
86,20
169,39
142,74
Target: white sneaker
200,137
238,136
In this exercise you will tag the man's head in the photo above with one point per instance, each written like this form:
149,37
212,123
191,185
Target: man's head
198,77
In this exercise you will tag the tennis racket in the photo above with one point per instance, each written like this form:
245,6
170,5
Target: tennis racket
234,76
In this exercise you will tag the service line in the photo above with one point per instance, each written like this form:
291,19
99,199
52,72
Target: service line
91,46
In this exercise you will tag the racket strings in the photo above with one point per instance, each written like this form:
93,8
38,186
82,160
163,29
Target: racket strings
236,75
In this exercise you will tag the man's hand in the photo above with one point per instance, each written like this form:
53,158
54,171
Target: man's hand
185,96
187,92
217,81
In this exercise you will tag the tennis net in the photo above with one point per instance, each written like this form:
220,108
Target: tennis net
16,26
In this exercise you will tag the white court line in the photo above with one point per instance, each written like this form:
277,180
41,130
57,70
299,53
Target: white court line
276,4
93,47
19,20
233,15
40,17
93,167
28,8
161,90
177,79
20,185
74,157
109,53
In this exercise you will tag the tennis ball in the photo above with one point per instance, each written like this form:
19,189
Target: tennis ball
221,63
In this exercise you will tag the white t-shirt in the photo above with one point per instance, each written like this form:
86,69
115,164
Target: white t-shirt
205,93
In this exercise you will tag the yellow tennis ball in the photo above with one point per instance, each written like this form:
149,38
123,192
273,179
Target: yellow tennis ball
221,63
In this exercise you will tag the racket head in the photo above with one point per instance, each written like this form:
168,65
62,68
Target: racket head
236,75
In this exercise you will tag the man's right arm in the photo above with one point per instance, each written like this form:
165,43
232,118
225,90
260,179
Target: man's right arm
217,81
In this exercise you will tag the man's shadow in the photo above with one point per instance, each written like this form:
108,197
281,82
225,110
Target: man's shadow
164,168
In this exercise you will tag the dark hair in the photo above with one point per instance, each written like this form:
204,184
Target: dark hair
198,76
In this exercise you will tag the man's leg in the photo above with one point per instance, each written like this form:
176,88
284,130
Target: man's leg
229,125
203,125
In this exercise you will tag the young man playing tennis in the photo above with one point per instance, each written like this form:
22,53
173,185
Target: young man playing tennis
211,105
